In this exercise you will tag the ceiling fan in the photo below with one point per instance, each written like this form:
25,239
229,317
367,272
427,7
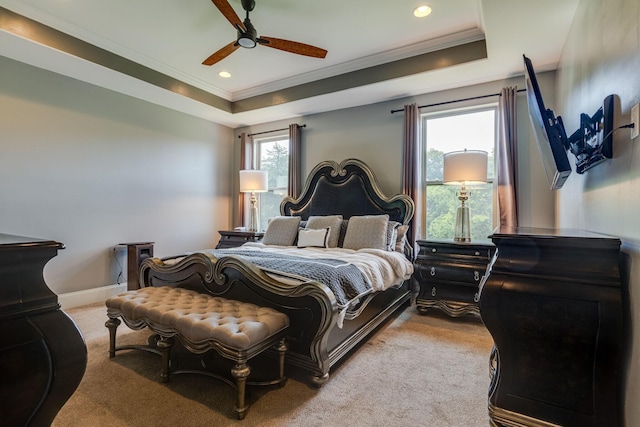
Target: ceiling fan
247,36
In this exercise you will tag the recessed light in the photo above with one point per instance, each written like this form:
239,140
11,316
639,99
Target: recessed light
422,11
224,74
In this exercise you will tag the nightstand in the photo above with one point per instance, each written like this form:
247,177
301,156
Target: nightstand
233,238
449,273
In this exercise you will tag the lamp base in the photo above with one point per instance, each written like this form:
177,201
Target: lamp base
462,232
253,214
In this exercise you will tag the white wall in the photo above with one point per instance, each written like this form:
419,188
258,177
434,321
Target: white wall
93,168
374,135
602,57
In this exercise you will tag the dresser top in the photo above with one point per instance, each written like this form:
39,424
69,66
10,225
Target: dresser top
534,232
9,241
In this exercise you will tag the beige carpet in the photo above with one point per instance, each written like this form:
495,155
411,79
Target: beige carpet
416,371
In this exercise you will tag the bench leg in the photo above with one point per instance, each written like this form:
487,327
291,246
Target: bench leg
165,345
240,372
282,348
112,325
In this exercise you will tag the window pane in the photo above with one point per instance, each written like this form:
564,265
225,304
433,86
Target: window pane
273,157
473,130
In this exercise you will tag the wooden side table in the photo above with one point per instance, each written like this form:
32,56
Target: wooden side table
449,273
233,238
136,253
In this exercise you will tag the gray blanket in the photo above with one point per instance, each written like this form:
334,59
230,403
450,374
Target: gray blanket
345,280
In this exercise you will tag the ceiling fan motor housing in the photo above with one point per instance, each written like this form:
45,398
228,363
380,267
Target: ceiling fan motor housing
247,38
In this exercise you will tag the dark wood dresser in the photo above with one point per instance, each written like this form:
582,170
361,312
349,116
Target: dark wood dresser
448,275
233,238
553,305
42,352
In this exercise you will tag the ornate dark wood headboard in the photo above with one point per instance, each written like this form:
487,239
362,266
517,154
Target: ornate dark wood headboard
348,188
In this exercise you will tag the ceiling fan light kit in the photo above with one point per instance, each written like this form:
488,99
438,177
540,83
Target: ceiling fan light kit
248,36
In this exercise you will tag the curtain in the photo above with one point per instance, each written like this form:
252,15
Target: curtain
295,160
246,162
412,168
507,158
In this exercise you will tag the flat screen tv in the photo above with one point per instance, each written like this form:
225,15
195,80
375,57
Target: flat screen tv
549,132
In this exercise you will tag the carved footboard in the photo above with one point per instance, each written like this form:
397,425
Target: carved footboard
311,306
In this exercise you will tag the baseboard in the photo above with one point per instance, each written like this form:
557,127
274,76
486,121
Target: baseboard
90,296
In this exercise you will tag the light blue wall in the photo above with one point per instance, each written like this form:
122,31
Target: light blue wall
93,168
602,57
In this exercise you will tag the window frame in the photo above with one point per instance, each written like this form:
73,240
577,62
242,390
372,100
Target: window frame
258,144
425,184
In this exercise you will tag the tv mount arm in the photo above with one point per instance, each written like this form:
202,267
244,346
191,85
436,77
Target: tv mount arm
592,143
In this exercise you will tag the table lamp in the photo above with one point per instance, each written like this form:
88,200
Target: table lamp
253,181
464,168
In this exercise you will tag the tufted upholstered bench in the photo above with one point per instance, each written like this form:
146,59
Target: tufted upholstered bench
236,330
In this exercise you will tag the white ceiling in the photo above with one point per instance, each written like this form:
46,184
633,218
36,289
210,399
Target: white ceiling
173,37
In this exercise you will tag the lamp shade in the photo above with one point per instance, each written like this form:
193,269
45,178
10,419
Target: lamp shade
468,166
253,181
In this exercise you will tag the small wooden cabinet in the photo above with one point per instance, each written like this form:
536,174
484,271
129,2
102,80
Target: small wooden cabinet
233,238
448,275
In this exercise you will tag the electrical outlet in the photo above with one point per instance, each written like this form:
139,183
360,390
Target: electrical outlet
635,119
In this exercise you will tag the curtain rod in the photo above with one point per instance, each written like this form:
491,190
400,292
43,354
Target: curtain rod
456,100
271,131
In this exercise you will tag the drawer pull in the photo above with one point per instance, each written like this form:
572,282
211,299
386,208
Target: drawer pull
432,271
433,291
434,250
477,253
476,297
476,275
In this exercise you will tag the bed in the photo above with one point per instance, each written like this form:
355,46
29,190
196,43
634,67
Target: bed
323,327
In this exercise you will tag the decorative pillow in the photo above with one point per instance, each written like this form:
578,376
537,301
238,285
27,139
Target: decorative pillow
367,231
281,230
331,221
392,235
311,237
401,238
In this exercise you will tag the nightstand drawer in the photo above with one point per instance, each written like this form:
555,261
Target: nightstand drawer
446,251
449,292
428,270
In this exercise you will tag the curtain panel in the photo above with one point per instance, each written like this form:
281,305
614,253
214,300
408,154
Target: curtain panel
295,160
412,169
507,157
246,162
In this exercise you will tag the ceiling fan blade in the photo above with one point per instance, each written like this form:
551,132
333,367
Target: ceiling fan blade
293,47
225,8
221,54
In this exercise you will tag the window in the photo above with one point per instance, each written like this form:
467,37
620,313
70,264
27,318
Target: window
272,155
473,129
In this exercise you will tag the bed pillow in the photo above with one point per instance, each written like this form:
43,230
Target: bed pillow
281,231
367,231
311,237
401,239
331,221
